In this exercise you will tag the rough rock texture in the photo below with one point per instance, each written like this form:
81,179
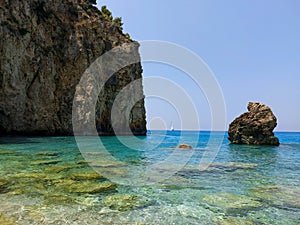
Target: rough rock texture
232,204
45,47
184,146
254,127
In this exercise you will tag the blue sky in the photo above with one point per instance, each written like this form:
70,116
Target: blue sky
252,47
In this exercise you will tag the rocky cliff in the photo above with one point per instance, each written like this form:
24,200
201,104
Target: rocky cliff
254,127
45,47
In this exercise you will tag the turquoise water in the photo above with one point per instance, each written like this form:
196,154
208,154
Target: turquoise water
48,180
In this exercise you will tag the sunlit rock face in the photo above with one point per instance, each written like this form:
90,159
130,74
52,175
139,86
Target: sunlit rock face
45,48
254,127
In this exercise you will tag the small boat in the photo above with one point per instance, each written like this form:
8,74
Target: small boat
171,127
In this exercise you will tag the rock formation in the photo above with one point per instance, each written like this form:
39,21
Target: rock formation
45,47
254,127
184,146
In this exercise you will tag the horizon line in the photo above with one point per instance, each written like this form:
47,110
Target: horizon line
286,131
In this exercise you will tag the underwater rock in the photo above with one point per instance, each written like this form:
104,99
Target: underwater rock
59,200
87,200
88,187
231,166
82,162
105,163
3,186
8,152
5,220
48,153
229,220
34,214
45,162
87,175
16,192
273,215
62,167
3,183
33,175
254,127
216,167
28,188
124,202
177,182
109,168
184,146
232,204
115,172
36,177
278,196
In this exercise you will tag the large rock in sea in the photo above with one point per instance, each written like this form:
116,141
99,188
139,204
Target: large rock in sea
45,47
254,127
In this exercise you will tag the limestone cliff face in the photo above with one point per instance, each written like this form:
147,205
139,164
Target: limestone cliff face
254,127
45,47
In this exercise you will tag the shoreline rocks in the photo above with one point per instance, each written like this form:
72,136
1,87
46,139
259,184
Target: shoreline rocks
254,127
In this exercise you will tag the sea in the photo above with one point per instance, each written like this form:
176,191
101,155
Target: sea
149,180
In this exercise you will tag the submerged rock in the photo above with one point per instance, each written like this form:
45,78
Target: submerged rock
84,187
3,186
59,200
36,177
105,163
34,214
48,153
216,167
278,196
5,220
232,204
108,167
28,188
177,182
30,175
45,162
8,152
254,127
232,221
62,167
124,202
231,166
87,175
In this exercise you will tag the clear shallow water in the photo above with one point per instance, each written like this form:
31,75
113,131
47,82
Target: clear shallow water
49,181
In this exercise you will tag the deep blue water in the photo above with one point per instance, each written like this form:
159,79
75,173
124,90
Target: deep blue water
156,183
